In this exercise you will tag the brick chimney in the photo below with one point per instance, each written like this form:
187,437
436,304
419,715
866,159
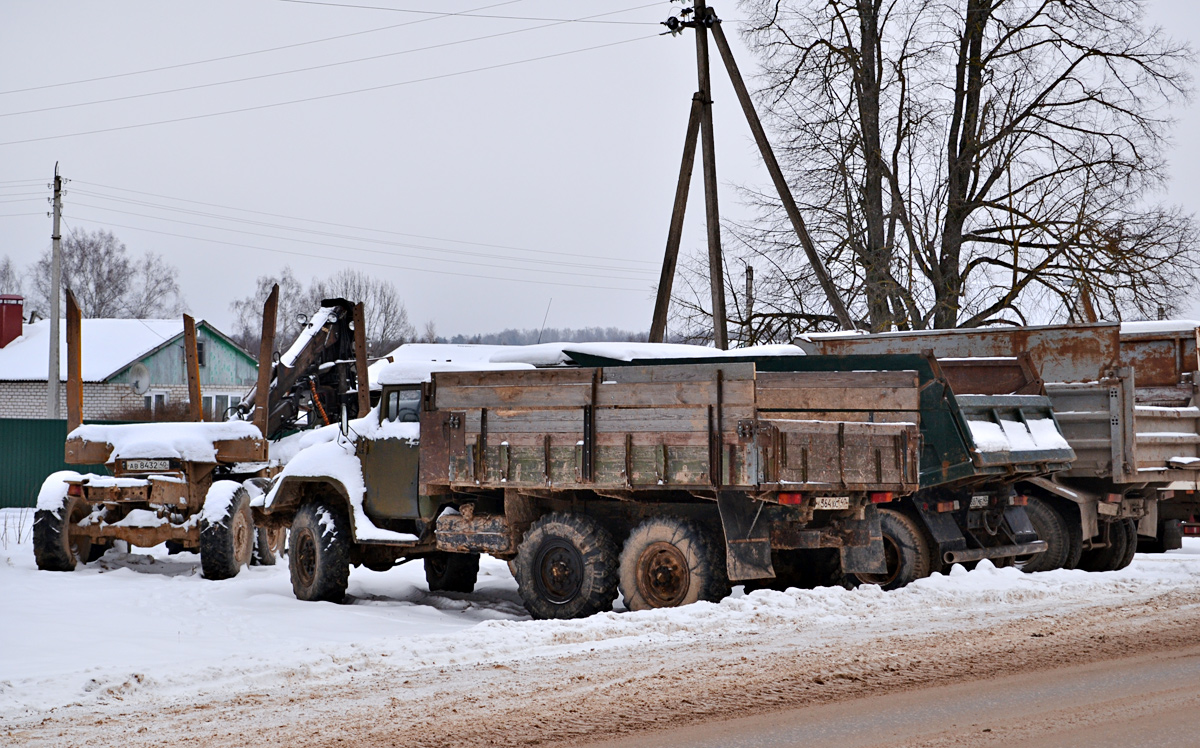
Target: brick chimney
12,316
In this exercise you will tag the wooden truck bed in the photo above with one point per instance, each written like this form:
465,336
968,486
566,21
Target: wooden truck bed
695,428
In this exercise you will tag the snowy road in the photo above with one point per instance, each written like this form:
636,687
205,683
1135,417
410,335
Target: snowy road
138,650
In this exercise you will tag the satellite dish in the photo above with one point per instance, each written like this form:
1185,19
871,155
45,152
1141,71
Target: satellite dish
139,378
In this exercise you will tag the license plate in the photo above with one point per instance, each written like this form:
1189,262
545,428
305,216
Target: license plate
145,466
980,502
831,502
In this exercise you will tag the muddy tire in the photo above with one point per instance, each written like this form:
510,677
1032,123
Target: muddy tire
1108,558
451,572
668,562
566,567
319,553
907,554
1130,544
263,554
1070,518
227,541
1050,527
53,548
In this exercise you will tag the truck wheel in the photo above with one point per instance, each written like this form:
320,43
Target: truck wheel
1049,526
264,553
566,567
1070,517
53,547
319,553
668,562
451,572
1106,559
226,532
1131,537
907,555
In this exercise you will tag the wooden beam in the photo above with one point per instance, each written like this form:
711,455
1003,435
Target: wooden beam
361,378
266,349
74,363
192,362
658,327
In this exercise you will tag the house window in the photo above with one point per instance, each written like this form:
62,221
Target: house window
156,401
200,358
217,405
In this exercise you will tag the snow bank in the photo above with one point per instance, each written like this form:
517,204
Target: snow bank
184,441
1014,436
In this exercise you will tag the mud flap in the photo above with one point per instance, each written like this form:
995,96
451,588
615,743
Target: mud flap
747,536
943,529
1019,525
863,552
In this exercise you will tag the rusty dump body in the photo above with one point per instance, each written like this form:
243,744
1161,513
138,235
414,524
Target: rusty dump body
1124,396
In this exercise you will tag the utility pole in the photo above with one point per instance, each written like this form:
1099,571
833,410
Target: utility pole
658,327
708,152
749,301
52,385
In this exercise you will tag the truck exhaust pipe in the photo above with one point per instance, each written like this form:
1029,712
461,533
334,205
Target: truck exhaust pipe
1000,551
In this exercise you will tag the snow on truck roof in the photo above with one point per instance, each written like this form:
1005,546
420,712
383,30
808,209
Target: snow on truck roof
183,441
416,362
108,345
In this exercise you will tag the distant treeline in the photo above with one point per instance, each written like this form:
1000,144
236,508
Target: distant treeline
551,335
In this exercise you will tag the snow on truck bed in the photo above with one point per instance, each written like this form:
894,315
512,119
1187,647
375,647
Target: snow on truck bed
183,441
1013,436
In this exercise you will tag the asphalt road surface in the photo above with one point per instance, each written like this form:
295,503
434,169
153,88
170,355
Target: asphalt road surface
1151,701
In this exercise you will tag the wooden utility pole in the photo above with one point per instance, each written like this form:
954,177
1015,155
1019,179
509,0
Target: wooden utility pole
658,327
708,151
52,385
749,301
781,185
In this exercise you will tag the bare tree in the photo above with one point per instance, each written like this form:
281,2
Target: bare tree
966,163
106,281
430,333
248,311
10,277
387,319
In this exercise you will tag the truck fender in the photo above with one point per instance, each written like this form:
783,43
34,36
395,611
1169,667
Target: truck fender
292,491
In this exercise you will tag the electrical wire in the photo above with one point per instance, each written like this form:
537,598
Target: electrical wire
247,54
331,95
293,71
351,237
339,225
359,262
466,14
11,215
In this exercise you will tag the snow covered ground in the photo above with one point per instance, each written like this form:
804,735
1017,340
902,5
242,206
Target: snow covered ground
144,631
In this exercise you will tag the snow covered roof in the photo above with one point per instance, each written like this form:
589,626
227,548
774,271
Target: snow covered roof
1162,325
108,346
415,362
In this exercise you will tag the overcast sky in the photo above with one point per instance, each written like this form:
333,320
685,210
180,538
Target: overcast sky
481,193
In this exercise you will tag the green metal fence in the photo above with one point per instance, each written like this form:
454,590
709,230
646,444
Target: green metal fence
31,449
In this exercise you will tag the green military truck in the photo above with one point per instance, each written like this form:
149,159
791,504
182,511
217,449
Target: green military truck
665,482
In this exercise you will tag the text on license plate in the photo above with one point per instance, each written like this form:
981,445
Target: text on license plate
980,501
831,502
147,465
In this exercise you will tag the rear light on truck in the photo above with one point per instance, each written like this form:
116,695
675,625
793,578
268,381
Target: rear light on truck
74,489
881,497
1113,498
946,506
1019,501
1191,529
791,499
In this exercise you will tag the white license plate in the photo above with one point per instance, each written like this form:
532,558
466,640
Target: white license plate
144,466
980,502
831,502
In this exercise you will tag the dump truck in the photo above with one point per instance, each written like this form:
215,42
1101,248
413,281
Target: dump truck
985,425
665,482
191,484
1125,398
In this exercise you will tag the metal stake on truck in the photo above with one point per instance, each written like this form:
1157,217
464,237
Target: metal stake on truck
191,483
980,437
1125,398
668,482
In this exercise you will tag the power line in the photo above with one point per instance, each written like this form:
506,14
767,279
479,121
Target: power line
329,96
248,54
370,240
361,262
379,251
467,14
293,71
10,215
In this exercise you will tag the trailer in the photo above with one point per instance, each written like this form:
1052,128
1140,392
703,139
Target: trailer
667,482
192,484
1125,398
980,437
